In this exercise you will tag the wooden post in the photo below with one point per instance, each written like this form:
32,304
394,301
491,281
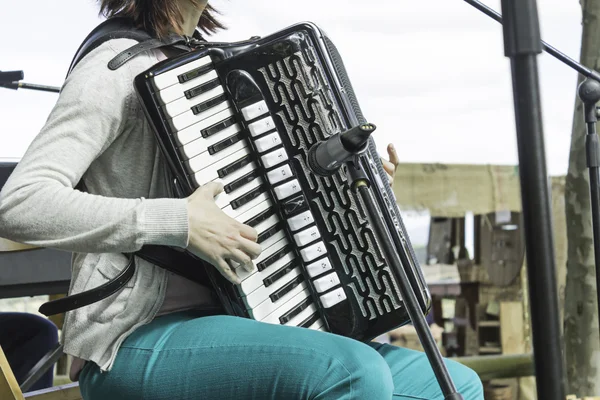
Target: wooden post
9,387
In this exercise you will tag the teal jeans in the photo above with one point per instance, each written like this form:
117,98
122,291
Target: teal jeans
181,356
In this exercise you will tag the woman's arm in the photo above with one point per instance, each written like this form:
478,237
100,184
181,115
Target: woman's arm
39,205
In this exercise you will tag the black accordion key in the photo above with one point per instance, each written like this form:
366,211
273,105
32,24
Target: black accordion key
273,257
208,104
277,275
285,289
244,180
263,216
218,127
288,316
225,143
205,87
248,197
234,166
310,321
188,76
269,232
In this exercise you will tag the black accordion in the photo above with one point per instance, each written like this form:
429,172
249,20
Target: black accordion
248,113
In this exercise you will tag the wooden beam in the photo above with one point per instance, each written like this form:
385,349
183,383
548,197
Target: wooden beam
64,392
512,328
499,366
9,387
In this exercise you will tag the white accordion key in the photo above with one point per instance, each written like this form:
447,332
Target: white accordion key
204,160
268,307
287,189
314,251
172,77
248,206
307,312
327,282
279,174
184,104
201,145
195,131
261,126
188,118
255,110
332,298
268,142
175,92
301,220
225,199
307,236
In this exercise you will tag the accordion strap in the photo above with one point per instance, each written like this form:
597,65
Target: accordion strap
177,41
122,28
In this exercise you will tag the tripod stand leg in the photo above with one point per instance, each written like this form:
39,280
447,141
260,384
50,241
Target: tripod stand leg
410,299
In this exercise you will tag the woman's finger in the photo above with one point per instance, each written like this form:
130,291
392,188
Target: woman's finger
250,247
388,166
393,156
244,261
228,272
248,232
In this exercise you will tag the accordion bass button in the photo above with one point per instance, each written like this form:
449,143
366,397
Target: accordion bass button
332,298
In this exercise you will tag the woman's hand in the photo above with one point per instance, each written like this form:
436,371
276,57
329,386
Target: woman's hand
391,165
217,238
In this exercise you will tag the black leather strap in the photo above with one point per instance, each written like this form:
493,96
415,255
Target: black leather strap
180,42
112,28
117,28
91,296
180,262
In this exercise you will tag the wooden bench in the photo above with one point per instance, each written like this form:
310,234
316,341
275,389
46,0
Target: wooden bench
9,388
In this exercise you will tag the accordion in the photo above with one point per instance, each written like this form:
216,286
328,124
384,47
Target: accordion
248,113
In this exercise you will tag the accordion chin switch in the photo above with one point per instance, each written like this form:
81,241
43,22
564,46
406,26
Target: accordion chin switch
277,121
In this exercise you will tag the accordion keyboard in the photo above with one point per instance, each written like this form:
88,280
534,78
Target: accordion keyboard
214,146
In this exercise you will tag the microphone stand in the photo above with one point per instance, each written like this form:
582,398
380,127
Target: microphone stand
548,357
326,158
12,80
32,86
589,93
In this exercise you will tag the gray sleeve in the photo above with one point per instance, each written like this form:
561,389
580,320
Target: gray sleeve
39,205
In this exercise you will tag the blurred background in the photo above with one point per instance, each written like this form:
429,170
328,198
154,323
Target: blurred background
433,77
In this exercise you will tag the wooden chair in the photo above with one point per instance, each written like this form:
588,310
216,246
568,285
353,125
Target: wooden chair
9,388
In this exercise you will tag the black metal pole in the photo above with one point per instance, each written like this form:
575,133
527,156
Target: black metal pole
522,45
583,70
32,86
589,93
407,292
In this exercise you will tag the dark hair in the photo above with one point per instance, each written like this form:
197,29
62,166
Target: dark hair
157,17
